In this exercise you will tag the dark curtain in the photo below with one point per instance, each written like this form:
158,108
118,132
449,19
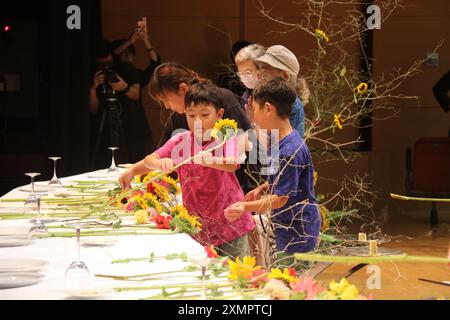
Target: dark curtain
66,56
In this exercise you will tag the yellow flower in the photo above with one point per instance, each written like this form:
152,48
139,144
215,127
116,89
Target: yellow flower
141,202
150,175
316,176
175,187
343,290
339,121
161,192
182,213
224,126
242,270
285,275
351,293
141,217
153,202
193,220
177,210
324,213
321,34
362,88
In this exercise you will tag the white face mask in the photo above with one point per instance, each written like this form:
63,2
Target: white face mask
249,80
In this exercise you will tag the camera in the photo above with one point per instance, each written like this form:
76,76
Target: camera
110,75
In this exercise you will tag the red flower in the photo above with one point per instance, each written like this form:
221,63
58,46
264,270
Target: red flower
292,272
258,277
211,252
162,222
150,187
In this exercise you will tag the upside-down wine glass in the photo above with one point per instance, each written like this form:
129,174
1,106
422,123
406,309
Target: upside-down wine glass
77,276
55,181
113,168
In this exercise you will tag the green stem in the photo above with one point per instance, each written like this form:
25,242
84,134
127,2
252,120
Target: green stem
103,233
369,260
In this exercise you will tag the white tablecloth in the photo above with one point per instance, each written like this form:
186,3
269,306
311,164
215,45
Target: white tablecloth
60,252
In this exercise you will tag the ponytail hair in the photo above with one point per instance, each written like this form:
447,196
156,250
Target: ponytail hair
168,77
303,91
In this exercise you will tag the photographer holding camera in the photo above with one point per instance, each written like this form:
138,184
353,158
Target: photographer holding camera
115,102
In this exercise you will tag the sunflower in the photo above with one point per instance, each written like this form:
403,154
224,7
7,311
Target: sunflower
339,121
324,213
192,220
322,35
361,88
161,192
174,187
224,126
177,210
153,202
141,202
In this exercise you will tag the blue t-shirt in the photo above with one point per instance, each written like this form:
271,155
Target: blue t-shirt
292,174
297,117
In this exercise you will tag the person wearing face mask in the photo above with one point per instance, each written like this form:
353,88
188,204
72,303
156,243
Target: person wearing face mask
248,71
118,116
279,61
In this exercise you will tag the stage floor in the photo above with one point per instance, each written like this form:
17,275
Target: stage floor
399,281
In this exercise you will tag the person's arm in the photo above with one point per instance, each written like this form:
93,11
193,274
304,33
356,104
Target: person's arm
153,55
263,205
132,39
133,91
223,164
149,163
98,79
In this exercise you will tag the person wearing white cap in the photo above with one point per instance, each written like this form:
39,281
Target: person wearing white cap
279,61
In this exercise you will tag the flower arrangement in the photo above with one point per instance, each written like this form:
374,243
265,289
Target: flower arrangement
286,284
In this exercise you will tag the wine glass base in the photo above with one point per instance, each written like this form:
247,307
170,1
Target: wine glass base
77,277
38,227
55,183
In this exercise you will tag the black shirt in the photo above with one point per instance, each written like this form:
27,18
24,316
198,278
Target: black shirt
135,137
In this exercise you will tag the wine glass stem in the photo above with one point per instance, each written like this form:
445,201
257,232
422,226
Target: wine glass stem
54,170
113,163
32,185
38,218
203,294
78,243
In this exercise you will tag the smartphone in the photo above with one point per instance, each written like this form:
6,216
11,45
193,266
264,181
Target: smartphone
142,23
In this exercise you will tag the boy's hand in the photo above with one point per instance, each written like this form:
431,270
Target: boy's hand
253,195
235,211
205,158
166,165
126,178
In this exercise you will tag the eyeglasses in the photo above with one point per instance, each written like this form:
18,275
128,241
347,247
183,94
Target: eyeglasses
247,73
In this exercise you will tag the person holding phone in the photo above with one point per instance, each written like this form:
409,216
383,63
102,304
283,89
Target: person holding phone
125,51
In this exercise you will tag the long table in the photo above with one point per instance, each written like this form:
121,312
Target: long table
60,252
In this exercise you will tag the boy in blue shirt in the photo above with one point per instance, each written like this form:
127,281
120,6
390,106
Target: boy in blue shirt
289,192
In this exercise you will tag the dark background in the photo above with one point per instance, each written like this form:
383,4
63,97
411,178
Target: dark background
49,115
